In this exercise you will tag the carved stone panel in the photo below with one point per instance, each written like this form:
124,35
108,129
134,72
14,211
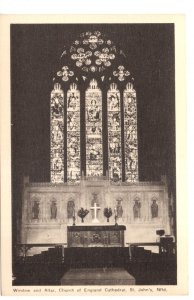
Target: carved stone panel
70,208
95,236
53,210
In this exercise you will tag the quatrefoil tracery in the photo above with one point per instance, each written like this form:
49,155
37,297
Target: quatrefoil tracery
104,57
65,73
121,73
82,57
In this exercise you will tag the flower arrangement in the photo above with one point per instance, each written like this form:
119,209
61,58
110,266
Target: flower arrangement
82,213
107,213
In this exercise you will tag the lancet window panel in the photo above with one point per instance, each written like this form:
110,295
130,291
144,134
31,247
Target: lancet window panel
93,117
130,132
57,134
114,133
73,134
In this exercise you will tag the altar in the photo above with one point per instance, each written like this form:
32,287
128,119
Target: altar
96,236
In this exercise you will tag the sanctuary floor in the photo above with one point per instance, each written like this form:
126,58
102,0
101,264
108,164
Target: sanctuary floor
97,276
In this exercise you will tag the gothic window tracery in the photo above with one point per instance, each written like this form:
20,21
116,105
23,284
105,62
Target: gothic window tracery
57,134
114,133
65,73
93,55
82,57
121,73
94,157
104,57
93,52
130,131
73,134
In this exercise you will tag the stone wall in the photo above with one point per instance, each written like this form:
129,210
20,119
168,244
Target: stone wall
49,208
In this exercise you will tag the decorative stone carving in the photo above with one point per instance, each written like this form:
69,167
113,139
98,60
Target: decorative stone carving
95,199
53,209
137,209
35,209
154,208
119,208
70,209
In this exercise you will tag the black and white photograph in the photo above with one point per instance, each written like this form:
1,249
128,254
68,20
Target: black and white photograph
93,156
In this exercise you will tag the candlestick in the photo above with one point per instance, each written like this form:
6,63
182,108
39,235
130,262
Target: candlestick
115,212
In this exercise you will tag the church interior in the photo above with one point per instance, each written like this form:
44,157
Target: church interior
94,221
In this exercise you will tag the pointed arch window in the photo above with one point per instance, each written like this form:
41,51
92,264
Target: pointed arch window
93,117
130,132
73,134
57,134
114,133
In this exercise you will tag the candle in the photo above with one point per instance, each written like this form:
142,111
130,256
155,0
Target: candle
74,212
115,212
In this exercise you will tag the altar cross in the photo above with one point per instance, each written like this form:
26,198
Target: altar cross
95,208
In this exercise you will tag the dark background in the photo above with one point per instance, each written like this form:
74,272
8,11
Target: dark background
35,58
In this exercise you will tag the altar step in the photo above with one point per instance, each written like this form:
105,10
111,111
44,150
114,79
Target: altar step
113,257
51,255
97,276
50,266
95,257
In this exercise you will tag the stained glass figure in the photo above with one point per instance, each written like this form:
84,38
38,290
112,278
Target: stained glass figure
93,55
130,131
73,134
57,134
94,156
114,133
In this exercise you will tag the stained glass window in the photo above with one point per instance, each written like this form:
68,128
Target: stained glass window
93,55
93,52
57,134
130,130
73,134
114,133
93,113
